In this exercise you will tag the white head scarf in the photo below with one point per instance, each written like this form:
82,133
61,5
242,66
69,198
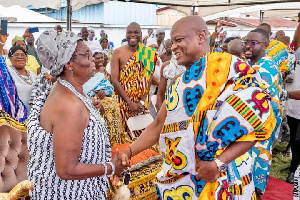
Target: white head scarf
56,50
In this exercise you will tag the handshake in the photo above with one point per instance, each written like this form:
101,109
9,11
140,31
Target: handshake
122,163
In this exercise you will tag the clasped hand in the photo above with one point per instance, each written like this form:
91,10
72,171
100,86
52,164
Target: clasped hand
120,166
207,171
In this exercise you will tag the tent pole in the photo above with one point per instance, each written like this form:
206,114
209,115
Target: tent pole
261,16
69,15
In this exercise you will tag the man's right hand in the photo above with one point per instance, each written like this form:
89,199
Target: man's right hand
26,33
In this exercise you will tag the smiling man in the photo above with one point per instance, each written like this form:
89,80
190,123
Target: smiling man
255,46
132,67
213,114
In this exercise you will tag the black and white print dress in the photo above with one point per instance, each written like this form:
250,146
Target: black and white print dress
95,149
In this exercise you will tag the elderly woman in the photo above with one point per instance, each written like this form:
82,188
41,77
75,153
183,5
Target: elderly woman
22,77
70,155
31,64
100,89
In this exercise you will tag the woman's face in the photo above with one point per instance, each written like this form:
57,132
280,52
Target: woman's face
104,44
83,63
99,60
18,59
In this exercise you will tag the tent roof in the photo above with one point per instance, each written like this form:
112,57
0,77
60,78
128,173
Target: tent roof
76,4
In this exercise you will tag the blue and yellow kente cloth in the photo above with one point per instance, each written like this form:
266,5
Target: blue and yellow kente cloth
262,151
278,51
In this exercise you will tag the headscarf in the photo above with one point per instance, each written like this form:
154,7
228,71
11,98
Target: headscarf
103,38
13,49
56,50
15,39
160,30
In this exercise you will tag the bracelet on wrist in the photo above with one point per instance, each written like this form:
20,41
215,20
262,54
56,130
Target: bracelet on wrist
105,169
113,169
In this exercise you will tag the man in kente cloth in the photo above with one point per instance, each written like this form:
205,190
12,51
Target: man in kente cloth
132,69
213,115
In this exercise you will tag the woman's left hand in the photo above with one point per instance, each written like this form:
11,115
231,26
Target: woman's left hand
207,171
99,106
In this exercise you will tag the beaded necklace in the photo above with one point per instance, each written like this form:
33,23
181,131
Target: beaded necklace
28,80
86,100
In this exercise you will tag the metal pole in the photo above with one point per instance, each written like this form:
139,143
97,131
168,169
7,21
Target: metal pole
261,16
69,15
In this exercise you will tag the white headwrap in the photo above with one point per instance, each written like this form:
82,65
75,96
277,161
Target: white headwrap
56,50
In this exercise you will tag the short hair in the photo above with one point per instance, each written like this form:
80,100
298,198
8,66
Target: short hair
262,32
15,48
265,24
229,39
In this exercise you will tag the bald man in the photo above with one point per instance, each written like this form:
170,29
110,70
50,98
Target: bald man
212,116
235,48
278,51
132,67
279,34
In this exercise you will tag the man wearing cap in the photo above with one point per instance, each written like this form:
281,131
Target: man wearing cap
160,36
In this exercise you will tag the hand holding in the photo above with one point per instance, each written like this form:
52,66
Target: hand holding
118,164
99,106
26,33
207,171
134,108
100,94
3,38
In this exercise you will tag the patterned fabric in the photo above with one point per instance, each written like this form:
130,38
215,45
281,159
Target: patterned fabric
225,101
279,53
135,79
41,167
56,50
98,82
172,70
262,151
10,102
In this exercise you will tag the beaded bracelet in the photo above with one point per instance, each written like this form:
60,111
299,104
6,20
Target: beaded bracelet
113,169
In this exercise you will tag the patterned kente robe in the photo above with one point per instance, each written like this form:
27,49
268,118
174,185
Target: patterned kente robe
135,79
218,101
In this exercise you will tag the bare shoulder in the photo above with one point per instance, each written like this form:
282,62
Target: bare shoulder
165,64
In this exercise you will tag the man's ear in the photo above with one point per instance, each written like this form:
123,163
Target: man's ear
202,36
266,45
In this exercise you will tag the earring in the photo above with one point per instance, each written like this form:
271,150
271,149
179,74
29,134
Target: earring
71,72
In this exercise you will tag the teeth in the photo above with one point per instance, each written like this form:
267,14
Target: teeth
177,54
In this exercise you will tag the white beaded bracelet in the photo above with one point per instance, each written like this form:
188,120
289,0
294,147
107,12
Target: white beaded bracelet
113,169
105,168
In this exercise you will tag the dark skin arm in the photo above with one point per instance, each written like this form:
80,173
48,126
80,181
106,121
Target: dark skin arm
115,75
161,87
296,40
209,171
294,94
144,141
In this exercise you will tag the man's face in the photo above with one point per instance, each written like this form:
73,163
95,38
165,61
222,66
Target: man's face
30,39
186,44
133,35
161,36
254,45
22,44
168,46
84,33
221,36
102,34
150,31
104,44
280,34
225,47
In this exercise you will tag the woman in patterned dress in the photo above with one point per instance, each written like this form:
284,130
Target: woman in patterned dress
70,155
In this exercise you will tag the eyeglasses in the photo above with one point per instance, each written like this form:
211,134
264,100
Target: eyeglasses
251,43
18,55
87,53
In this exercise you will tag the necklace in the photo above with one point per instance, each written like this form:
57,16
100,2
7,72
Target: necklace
86,100
28,80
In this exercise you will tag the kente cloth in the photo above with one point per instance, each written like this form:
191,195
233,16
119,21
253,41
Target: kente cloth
262,150
10,102
98,82
113,121
31,64
218,101
135,79
279,53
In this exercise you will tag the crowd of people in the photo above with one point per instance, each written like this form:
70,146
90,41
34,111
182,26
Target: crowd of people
217,103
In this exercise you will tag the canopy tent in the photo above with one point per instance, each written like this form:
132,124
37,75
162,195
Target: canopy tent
186,6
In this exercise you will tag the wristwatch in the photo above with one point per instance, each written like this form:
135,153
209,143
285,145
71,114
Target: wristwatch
222,166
